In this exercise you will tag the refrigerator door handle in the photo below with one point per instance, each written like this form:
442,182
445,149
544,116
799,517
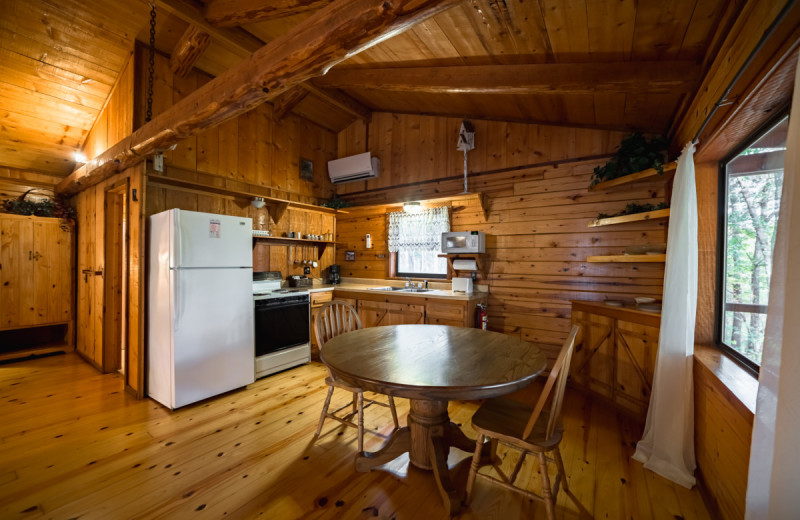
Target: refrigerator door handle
176,258
178,297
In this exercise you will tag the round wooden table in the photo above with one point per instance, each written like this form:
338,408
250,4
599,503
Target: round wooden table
430,365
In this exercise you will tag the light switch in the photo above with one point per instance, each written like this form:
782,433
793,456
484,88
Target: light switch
369,241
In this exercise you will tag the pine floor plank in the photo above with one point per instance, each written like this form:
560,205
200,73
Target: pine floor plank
74,445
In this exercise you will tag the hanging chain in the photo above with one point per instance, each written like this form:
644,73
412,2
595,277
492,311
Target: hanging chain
152,62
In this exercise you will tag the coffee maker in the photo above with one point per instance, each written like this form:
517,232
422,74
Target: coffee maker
333,274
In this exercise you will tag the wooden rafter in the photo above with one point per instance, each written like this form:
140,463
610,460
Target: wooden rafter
341,101
230,13
561,78
237,40
284,103
191,45
328,37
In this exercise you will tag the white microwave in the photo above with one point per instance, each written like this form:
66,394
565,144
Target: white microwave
464,242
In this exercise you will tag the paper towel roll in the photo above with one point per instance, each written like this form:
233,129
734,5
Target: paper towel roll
465,265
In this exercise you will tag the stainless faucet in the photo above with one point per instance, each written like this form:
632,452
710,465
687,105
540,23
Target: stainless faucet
408,281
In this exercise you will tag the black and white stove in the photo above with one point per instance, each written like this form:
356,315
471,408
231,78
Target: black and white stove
282,318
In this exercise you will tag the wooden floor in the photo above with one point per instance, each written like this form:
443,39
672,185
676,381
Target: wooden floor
74,445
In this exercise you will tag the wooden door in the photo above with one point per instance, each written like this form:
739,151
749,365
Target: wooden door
16,271
446,313
89,323
115,297
375,314
52,271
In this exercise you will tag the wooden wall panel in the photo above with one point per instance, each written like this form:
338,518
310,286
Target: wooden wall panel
723,430
254,148
538,239
116,119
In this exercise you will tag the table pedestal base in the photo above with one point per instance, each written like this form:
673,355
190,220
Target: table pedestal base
427,439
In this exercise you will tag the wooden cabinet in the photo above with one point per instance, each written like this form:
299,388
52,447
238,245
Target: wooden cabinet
447,313
377,313
378,308
35,271
615,354
318,299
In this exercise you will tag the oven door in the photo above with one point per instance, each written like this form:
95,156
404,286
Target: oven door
281,324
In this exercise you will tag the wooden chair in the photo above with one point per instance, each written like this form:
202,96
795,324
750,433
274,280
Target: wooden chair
513,424
334,318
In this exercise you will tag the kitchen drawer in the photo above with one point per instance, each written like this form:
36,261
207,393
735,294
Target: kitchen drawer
445,312
318,298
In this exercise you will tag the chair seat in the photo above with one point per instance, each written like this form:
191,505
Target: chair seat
505,419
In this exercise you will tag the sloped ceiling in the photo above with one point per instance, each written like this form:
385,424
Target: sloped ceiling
60,59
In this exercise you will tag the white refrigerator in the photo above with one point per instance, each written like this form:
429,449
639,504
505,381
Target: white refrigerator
200,306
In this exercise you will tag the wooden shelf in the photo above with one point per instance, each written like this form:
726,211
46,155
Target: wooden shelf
649,173
249,191
628,258
636,217
461,256
320,244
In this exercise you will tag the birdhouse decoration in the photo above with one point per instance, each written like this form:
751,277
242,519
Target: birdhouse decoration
466,137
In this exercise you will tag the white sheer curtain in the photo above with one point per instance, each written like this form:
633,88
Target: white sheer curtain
418,231
667,446
773,488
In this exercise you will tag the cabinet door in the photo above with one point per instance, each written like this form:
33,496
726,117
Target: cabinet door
52,245
636,347
593,361
17,304
446,313
374,314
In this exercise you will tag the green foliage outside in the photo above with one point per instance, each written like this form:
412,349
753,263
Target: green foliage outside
753,207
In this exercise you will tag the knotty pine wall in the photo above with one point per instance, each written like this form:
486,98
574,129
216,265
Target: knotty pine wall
536,179
254,149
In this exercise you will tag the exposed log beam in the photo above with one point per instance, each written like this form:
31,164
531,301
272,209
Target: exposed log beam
333,34
191,45
340,100
284,103
230,13
236,40
560,78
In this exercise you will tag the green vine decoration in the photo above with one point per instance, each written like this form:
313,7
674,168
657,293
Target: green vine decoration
632,208
57,208
336,203
635,154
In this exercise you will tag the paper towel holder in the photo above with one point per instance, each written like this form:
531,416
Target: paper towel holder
475,258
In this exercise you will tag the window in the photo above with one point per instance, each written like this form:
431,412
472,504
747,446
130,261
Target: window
416,239
749,207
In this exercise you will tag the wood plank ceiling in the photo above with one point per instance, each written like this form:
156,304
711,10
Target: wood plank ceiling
620,64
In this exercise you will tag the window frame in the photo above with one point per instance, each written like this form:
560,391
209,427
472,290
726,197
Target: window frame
394,273
722,243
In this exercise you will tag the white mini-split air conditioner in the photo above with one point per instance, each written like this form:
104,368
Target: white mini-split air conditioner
354,168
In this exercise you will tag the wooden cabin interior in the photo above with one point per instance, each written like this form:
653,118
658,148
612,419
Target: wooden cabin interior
126,109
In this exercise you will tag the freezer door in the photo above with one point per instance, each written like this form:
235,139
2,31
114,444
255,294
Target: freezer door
209,240
213,336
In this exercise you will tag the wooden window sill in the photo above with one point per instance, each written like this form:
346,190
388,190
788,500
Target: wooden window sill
742,385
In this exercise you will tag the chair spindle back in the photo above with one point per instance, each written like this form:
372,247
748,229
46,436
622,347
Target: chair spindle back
555,385
334,318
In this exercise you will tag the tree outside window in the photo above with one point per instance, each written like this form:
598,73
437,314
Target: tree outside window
753,181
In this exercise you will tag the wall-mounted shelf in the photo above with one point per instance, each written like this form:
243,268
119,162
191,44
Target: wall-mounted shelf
277,206
636,217
649,173
321,245
628,258
477,257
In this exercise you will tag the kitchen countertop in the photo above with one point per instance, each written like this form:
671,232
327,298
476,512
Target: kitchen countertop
366,286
